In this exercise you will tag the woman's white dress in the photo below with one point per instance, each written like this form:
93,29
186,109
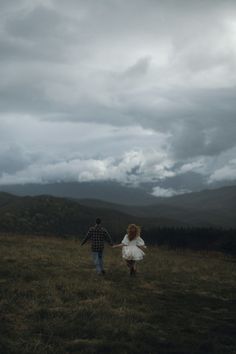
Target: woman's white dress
131,251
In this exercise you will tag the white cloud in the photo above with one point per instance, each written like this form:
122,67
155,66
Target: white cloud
193,166
132,167
163,192
225,173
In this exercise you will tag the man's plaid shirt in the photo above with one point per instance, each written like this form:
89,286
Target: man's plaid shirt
97,235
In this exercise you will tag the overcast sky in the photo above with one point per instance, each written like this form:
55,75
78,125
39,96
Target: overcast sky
134,91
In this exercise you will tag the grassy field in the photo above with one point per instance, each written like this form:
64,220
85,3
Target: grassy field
51,301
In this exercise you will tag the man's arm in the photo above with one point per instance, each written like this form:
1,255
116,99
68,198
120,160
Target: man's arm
87,237
108,237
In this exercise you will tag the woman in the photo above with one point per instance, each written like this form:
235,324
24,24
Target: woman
132,247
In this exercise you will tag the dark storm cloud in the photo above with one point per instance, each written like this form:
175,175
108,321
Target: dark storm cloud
12,160
163,71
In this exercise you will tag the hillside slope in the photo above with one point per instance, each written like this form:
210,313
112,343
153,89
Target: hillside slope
59,216
53,302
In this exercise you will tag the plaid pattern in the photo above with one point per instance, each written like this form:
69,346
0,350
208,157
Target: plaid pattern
97,235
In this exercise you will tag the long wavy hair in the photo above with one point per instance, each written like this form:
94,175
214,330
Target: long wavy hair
133,235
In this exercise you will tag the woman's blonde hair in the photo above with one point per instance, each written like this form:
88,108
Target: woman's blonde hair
132,236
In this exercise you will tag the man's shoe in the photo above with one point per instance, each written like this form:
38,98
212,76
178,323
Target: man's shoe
103,272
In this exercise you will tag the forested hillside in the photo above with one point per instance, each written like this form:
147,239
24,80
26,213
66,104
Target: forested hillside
51,216
47,215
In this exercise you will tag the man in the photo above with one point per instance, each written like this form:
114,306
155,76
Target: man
97,235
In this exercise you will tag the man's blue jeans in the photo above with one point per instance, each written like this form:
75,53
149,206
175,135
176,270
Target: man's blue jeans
98,260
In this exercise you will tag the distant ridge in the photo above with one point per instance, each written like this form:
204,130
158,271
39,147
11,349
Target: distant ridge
209,208
216,207
112,192
116,193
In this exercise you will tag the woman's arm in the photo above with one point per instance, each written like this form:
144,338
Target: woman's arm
141,243
119,245
143,247
122,244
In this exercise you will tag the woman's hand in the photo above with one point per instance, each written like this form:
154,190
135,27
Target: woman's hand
116,246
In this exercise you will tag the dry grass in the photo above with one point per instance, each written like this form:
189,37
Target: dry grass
51,301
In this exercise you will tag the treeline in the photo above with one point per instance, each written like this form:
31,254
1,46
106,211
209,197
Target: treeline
195,238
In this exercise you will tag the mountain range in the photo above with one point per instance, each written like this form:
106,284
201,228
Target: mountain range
60,206
48,215
208,208
109,191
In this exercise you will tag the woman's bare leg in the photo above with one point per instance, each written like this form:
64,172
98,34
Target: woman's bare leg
132,267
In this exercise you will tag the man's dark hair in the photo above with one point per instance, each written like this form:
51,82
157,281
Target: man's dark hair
98,221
